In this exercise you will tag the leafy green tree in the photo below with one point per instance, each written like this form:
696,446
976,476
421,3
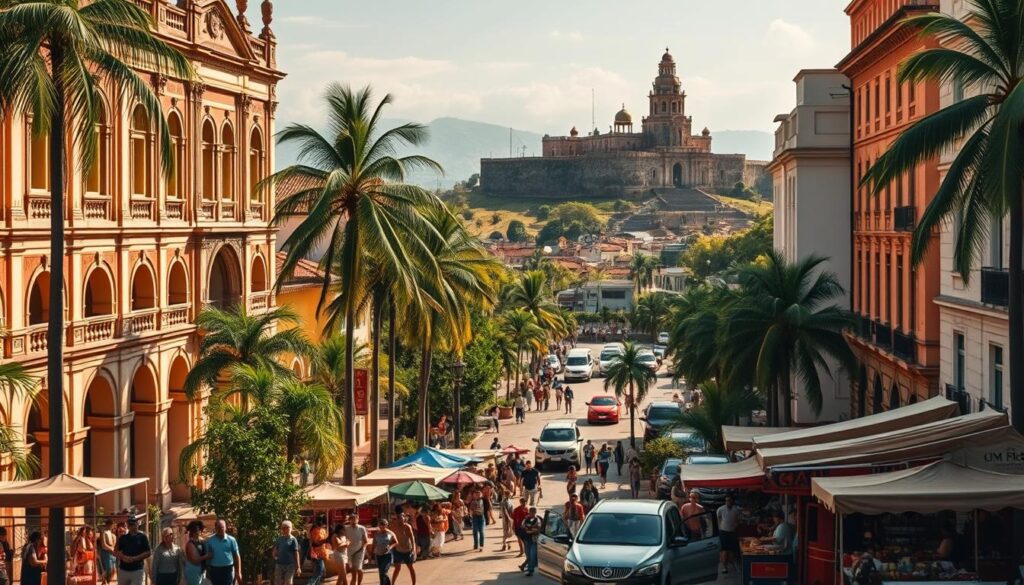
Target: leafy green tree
233,336
628,373
695,321
585,213
719,407
246,479
785,322
15,382
357,204
651,312
656,451
522,328
53,56
983,182
543,212
710,255
516,231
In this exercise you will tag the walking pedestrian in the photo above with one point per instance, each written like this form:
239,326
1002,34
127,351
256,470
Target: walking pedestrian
421,527
458,515
692,512
588,456
287,557
225,564
547,396
383,541
573,514
196,555
442,431
520,405
589,495
518,515
570,480
33,559
528,394
357,540
476,512
531,484
604,461
318,552
505,507
488,494
728,521
167,560
538,396
569,395
438,528
404,552
634,478
558,395
531,528
339,548
107,542
132,550
620,458
494,417
495,445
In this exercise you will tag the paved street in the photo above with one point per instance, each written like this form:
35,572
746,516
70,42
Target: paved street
492,566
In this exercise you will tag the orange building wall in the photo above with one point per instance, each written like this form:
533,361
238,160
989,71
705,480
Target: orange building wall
897,340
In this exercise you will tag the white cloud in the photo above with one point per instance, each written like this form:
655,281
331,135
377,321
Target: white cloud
572,35
787,36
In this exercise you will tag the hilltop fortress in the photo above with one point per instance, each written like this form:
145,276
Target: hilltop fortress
664,154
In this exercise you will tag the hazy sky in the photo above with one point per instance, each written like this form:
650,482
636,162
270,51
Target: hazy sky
531,64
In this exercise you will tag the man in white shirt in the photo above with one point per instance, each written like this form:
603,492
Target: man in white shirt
728,521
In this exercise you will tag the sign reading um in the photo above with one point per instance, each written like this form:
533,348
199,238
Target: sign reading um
362,390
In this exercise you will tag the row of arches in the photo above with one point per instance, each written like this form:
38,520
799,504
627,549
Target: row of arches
218,164
882,398
99,293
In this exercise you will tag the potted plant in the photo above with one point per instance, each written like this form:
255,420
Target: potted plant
505,408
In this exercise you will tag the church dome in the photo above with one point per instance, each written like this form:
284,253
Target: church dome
623,117
706,132
667,56
574,132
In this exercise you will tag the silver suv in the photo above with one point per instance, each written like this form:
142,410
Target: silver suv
559,442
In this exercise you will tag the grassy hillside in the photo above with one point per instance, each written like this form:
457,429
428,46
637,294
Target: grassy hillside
507,209
746,205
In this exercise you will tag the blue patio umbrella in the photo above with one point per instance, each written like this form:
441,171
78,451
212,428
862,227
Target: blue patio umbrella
435,458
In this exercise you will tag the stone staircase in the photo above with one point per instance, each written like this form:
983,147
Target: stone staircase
686,200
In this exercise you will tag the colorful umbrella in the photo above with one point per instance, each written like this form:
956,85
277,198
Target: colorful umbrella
463,478
513,450
418,491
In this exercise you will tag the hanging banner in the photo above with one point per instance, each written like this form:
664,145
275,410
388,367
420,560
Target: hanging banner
362,391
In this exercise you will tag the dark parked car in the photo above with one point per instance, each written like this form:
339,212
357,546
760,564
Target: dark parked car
668,477
659,417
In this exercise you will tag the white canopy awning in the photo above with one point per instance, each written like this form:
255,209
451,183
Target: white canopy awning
742,438
395,475
62,491
942,485
333,495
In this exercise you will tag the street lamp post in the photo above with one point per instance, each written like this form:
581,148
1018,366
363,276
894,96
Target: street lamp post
457,369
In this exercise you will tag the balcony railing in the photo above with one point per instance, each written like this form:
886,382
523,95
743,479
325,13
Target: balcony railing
986,405
96,329
39,206
37,338
96,207
140,208
883,336
864,327
140,321
995,286
207,209
961,397
259,301
175,209
177,315
904,218
903,346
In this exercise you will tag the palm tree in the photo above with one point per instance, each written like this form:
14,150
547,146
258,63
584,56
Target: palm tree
511,360
521,327
233,337
357,204
15,382
532,294
641,270
983,182
628,372
785,317
719,407
314,419
695,322
53,54
650,313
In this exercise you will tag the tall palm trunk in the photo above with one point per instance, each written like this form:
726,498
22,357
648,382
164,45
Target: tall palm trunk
1015,315
392,348
785,406
373,408
632,417
56,560
423,430
348,475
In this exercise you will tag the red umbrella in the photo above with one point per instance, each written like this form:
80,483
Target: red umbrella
461,478
512,450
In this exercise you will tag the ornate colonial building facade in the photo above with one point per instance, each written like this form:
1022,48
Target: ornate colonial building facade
897,340
665,153
145,252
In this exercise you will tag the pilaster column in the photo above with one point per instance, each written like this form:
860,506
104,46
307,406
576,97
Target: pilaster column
150,451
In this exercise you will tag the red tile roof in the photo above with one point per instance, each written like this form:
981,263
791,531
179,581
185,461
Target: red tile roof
306,273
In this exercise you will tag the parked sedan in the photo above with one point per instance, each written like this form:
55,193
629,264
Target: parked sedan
649,360
668,477
603,408
554,363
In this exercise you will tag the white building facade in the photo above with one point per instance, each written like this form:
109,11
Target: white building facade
974,368
811,177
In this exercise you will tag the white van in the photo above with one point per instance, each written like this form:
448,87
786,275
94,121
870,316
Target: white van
579,364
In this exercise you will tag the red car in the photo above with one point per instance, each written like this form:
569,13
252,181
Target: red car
603,408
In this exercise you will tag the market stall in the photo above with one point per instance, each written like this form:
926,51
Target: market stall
937,523
432,457
395,475
742,438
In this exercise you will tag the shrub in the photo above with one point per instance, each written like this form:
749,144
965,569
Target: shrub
543,212
657,451
516,231
496,218
467,214
403,446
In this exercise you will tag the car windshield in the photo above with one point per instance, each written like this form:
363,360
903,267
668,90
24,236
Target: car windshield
557,435
621,529
663,414
576,360
707,460
671,467
647,357
603,401
608,354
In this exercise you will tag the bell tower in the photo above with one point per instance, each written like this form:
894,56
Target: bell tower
666,124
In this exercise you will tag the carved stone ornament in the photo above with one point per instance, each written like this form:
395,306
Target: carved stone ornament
159,83
243,22
245,100
214,25
197,91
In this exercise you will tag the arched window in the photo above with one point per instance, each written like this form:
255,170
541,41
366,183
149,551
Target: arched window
141,162
143,289
177,284
258,279
674,107
209,181
862,393
175,180
877,395
256,170
99,294
894,396
664,107
97,182
38,160
39,300
227,165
